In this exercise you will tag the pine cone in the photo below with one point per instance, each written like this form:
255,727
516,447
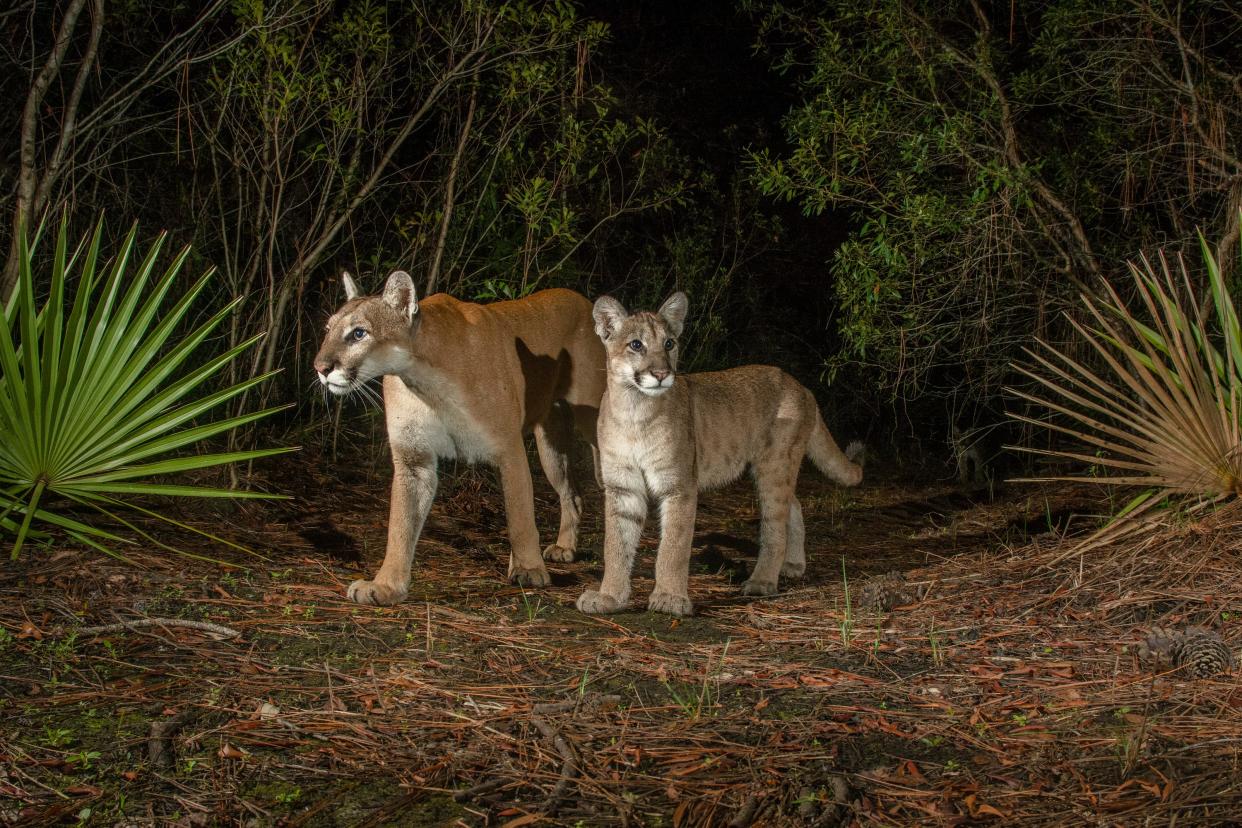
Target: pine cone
1157,649
1202,653
881,593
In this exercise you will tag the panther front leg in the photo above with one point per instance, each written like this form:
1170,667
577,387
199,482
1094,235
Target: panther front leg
672,569
414,483
525,563
625,510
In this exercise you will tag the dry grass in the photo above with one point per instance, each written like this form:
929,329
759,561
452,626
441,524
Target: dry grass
1009,693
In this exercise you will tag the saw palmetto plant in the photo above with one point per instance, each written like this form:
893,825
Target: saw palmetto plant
103,396
1158,405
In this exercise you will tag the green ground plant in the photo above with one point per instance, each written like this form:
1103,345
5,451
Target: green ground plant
698,702
847,621
102,392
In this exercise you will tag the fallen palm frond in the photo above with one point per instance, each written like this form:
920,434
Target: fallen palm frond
98,396
1162,411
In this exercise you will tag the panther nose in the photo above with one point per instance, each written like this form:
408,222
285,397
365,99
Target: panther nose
324,367
659,375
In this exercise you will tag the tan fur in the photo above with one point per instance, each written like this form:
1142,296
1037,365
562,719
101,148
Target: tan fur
466,380
665,438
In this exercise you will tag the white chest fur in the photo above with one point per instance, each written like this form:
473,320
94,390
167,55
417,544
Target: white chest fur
434,421
643,459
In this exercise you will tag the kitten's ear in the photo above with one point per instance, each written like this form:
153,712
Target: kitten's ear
351,288
609,314
673,311
399,294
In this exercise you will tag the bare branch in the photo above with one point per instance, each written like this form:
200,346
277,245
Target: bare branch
68,130
27,172
464,67
434,273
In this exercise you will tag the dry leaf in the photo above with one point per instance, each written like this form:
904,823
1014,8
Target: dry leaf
227,751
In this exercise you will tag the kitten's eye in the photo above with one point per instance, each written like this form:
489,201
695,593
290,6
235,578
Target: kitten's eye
636,344
357,334
669,344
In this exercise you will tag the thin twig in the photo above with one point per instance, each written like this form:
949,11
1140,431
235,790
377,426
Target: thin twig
574,704
835,812
479,789
142,623
569,764
746,815
159,749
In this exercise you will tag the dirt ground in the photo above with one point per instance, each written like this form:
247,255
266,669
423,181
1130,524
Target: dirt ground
1003,689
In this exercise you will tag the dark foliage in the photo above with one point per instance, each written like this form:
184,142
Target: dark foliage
947,176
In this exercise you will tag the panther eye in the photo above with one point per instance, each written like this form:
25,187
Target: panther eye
636,344
668,344
357,334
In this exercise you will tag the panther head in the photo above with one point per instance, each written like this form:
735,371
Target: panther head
369,336
641,348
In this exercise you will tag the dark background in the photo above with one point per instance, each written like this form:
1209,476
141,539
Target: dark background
890,202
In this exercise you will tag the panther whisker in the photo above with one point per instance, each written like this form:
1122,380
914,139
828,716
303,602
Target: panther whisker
370,395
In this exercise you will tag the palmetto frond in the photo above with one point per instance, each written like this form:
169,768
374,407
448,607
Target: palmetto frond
1160,409
97,396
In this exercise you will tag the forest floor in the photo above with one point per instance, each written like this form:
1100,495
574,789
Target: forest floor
1005,690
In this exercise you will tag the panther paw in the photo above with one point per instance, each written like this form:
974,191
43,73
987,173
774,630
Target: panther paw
558,554
536,577
671,603
598,603
374,593
753,587
793,570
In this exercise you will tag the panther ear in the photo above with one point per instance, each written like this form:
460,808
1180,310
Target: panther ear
399,294
674,311
351,288
609,314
